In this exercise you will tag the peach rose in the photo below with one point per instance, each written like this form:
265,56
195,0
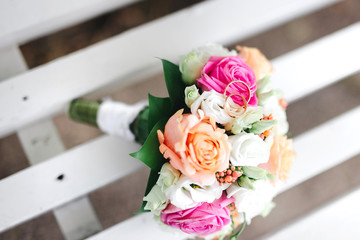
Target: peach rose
256,60
282,155
195,146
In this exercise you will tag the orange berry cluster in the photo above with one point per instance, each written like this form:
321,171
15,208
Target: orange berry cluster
229,175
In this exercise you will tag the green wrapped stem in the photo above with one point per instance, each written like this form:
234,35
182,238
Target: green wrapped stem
84,111
140,126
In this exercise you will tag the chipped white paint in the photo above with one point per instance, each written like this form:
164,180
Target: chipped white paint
40,142
76,219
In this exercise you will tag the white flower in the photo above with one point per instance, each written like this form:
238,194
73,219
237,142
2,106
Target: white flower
156,200
252,202
248,149
191,94
168,176
192,64
273,107
212,103
186,193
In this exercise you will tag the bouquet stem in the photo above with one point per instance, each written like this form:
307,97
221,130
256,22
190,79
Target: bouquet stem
84,111
114,118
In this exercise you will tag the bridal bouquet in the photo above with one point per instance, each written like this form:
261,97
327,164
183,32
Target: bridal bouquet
217,146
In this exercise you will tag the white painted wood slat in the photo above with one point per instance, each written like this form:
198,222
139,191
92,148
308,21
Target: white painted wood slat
22,20
325,147
311,67
338,220
49,87
83,169
76,219
90,159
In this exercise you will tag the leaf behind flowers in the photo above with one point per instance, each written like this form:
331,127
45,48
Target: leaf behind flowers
174,84
149,152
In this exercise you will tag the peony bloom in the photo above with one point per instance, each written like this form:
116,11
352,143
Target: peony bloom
256,60
218,72
282,155
195,146
203,219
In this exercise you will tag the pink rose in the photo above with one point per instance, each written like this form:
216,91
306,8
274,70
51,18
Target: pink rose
218,72
203,219
195,146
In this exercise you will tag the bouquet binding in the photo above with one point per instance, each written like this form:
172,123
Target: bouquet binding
217,146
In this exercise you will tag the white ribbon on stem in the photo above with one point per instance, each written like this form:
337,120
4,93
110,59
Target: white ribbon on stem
114,118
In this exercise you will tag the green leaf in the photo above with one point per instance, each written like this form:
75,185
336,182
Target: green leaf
153,177
245,182
236,235
266,96
255,172
174,84
149,152
159,108
261,126
251,116
263,85
270,176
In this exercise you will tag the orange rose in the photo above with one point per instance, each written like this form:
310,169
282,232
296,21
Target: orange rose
282,155
256,60
195,146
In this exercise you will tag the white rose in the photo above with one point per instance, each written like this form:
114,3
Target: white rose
252,202
156,200
248,149
212,103
186,193
168,176
192,64
273,107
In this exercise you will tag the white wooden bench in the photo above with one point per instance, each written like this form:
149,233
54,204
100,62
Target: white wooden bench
30,98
